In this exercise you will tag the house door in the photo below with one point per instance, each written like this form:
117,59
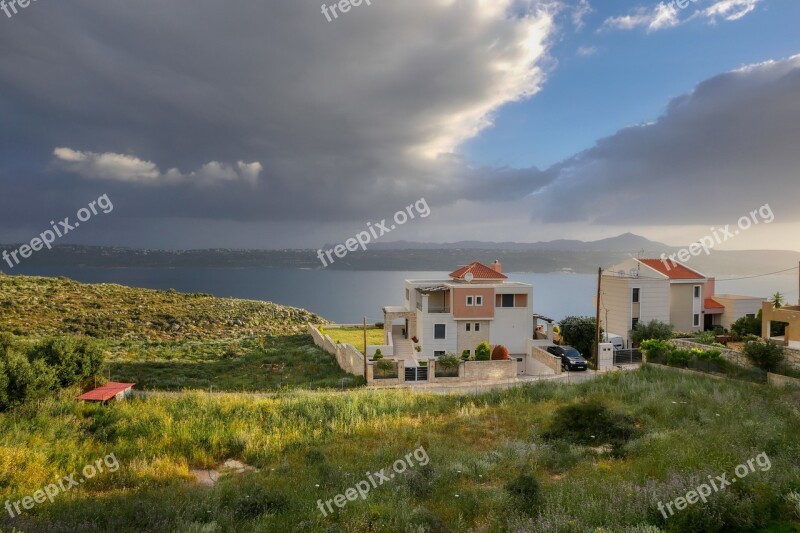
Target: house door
709,322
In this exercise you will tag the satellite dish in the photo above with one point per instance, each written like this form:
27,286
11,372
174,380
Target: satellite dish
634,273
469,277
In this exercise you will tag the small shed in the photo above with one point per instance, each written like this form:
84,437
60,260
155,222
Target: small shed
110,391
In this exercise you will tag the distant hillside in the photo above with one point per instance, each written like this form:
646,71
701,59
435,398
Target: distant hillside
626,241
54,306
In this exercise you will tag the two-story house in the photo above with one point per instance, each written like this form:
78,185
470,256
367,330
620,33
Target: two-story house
476,303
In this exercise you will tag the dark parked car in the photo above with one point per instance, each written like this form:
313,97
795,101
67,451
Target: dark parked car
571,359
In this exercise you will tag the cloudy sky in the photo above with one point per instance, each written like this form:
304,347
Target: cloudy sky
262,124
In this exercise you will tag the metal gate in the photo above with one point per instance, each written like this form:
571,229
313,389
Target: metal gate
627,357
417,373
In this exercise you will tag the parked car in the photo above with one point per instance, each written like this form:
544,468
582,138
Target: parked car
571,359
616,340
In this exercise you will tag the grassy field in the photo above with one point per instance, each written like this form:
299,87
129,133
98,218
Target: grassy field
171,341
355,336
309,446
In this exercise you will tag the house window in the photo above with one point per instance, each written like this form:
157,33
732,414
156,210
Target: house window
469,325
477,326
697,291
635,298
506,300
479,300
439,331
634,322
438,353
750,315
696,320
470,300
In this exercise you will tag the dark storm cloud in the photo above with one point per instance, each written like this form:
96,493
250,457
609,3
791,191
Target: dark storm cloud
727,148
256,111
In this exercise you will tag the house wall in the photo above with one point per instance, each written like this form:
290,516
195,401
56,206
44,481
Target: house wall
462,310
431,345
511,327
736,308
469,340
682,306
617,298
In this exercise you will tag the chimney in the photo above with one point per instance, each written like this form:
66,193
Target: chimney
497,267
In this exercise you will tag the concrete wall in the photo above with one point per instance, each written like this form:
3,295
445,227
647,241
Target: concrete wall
429,344
349,358
736,308
778,380
511,327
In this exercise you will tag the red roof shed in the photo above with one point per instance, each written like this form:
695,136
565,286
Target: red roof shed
107,392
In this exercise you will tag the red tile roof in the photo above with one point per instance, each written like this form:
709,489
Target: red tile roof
672,269
711,303
479,271
106,392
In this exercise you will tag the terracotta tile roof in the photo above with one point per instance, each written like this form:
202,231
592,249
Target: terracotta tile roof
106,392
672,269
711,303
479,271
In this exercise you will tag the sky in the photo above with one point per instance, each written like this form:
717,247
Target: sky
286,124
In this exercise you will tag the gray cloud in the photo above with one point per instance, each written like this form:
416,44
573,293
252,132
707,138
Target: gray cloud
727,148
290,116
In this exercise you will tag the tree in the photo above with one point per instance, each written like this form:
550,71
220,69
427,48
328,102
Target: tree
500,353
385,365
764,355
747,326
74,360
579,332
483,351
653,330
777,300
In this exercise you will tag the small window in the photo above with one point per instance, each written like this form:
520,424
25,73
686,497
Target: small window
469,325
470,300
477,326
697,291
635,298
634,322
507,300
479,300
439,331
696,320
438,353
750,315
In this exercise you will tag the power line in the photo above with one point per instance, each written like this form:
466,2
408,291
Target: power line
760,275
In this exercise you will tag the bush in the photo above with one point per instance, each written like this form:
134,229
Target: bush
500,353
654,329
590,423
679,357
384,366
767,355
378,355
483,351
746,326
579,332
465,355
656,349
525,488
73,360
447,361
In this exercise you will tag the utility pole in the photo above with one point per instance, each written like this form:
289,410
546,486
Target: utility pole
798,283
597,321
365,348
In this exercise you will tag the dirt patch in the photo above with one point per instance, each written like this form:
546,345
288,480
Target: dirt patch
210,476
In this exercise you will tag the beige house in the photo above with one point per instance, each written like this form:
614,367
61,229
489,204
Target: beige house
790,315
641,290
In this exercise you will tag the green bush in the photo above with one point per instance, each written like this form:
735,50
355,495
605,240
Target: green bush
767,355
654,329
746,326
378,355
483,351
449,361
590,423
525,488
384,366
74,360
465,355
579,332
656,348
679,357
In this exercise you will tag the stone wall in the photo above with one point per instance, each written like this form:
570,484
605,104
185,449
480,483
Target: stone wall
731,355
489,370
349,358
546,358
778,380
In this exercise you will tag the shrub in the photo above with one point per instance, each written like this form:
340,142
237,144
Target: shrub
654,329
794,500
764,355
706,337
465,355
746,326
500,353
449,361
656,348
384,366
378,354
74,361
590,423
679,357
483,351
525,488
579,332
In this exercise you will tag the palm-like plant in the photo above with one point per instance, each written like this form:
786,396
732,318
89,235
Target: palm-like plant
777,300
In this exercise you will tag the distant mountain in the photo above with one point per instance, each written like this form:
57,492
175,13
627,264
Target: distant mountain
624,242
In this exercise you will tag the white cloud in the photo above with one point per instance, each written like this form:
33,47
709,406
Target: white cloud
587,51
580,12
131,169
730,9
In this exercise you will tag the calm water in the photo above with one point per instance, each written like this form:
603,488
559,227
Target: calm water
347,296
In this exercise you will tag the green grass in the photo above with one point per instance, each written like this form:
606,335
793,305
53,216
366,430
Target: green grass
355,336
314,445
